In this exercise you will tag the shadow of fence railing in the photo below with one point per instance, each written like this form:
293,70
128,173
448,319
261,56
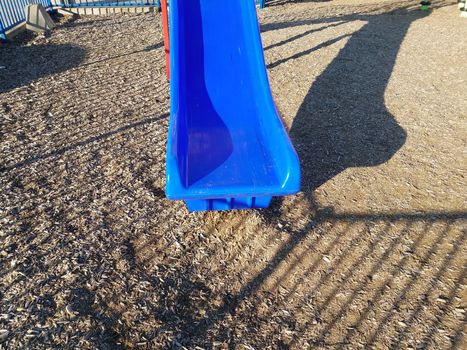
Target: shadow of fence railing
342,279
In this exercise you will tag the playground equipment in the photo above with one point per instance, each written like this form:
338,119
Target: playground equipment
163,7
227,147
12,12
38,19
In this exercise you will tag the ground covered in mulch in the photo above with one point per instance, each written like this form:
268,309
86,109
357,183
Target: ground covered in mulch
371,253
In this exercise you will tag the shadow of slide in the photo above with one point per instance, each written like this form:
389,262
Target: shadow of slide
343,121
23,64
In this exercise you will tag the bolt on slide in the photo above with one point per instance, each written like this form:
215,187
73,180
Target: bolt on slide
227,147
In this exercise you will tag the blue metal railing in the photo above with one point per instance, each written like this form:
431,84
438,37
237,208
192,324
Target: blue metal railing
2,32
105,3
12,13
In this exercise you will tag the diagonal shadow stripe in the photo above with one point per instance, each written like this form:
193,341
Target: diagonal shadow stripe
85,142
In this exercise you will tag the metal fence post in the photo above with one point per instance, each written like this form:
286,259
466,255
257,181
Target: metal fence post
2,32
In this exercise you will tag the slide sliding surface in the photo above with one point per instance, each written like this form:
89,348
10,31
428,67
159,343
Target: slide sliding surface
227,147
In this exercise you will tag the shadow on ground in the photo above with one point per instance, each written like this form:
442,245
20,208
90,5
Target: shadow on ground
282,2
95,256
328,319
24,64
342,122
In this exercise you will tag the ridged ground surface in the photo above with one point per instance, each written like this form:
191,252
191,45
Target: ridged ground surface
372,253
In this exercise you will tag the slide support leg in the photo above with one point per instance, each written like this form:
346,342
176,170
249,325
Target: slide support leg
165,25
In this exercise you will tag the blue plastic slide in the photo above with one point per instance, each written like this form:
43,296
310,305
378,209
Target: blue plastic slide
227,147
